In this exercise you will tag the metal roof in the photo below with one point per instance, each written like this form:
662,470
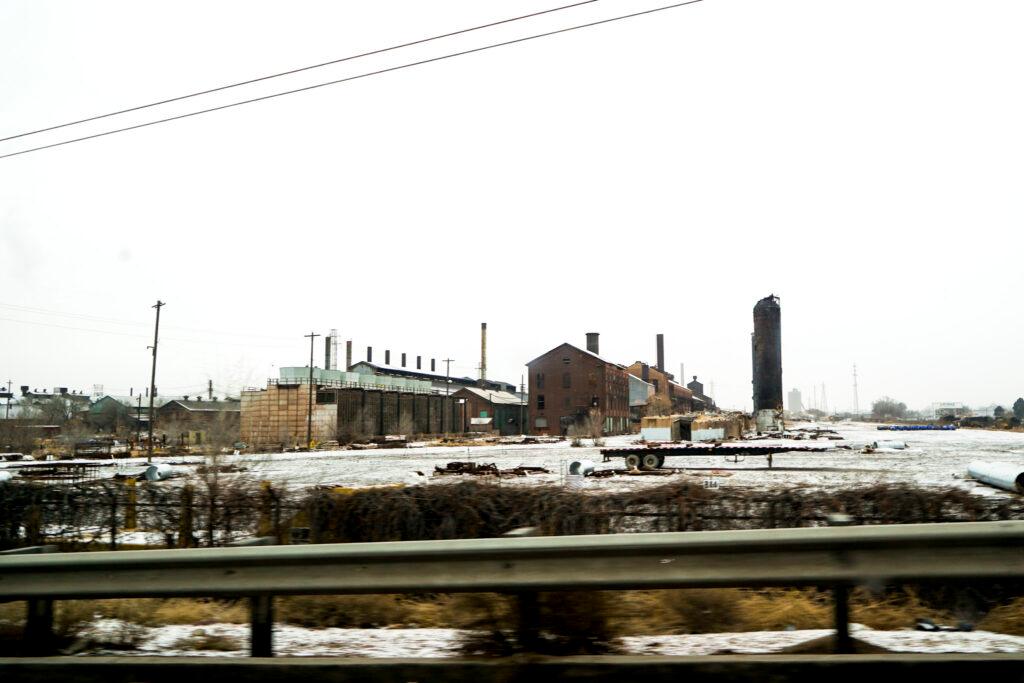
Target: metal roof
494,396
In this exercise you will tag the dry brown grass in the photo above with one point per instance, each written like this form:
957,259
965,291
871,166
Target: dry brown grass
1007,618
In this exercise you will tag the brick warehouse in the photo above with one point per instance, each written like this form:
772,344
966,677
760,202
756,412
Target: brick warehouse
567,384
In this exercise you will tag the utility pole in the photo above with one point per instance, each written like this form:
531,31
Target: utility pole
152,378
9,383
447,381
209,389
522,404
856,406
138,418
309,418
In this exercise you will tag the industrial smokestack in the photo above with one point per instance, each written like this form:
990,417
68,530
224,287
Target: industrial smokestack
387,356
369,354
403,359
327,353
767,354
331,352
592,343
483,350
661,353
432,366
418,362
348,355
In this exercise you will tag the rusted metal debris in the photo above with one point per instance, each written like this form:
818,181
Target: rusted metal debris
485,469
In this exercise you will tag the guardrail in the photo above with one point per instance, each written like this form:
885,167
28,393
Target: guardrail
835,557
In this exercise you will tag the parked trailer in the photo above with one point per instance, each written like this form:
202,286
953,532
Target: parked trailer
653,457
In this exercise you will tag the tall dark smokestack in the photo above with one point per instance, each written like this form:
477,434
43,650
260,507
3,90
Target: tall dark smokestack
348,355
767,353
661,353
592,344
327,353
387,356
369,354
403,359
432,366
419,362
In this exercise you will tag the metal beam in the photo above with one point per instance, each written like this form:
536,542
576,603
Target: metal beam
769,557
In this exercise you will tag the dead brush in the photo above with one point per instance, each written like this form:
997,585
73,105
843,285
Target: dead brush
200,639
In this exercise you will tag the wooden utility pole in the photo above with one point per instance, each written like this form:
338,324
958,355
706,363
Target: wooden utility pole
309,418
152,378
447,381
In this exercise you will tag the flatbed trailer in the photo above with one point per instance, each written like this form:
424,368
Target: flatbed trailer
652,457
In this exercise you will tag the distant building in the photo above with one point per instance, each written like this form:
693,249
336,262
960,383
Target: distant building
696,387
437,380
569,386
795,400
198,421
940,410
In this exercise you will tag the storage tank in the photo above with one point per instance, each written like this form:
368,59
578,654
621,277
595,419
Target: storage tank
767,354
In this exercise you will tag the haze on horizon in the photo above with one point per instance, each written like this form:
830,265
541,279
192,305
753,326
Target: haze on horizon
660,174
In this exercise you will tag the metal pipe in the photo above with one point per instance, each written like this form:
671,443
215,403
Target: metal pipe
1003,475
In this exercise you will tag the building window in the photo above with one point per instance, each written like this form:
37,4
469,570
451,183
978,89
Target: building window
566,360
541,423
540,380
540,401
566,380
568,402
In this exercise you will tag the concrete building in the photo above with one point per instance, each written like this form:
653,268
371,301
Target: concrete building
796,403
568,386
506,411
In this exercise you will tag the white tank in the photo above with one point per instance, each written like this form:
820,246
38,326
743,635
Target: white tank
581,467
159,472
5,476
1002,475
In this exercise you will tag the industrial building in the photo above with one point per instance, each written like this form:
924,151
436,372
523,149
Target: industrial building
493,411
701,401
346,406
569,386
679,399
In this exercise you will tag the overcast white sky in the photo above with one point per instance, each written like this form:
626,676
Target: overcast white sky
861,160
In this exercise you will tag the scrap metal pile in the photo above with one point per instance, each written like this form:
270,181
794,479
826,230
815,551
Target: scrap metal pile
486,469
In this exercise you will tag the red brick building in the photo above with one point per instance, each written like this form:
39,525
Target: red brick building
569,385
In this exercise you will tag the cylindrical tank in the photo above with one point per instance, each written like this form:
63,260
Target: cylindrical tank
159,472
767,352
1002,475
5,476
581,467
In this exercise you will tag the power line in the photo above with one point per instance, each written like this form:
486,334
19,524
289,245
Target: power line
298,70
356,77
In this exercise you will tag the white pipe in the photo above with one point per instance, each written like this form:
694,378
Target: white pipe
1002,475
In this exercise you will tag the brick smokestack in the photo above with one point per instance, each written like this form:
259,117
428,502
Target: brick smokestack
661,353
369,354
419,362
348,355
387,356
432,365
403,359
483,350
592,343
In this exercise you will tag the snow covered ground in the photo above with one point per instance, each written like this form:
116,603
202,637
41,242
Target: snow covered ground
933,458
438,642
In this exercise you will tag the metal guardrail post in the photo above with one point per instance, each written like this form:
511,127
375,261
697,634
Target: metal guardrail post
38,634
261,642
841,595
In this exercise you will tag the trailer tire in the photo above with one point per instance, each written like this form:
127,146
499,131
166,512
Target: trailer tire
632,461
661,461
651,461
